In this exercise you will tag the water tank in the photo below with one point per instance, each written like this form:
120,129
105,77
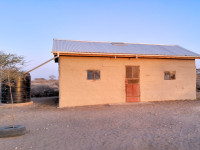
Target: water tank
21,87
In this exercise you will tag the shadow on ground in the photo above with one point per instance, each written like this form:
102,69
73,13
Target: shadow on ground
46,102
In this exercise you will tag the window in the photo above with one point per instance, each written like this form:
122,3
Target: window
170,75
132,74
93,74
132,71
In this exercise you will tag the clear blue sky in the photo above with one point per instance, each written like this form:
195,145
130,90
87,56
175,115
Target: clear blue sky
27,27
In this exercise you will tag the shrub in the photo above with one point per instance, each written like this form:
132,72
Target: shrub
43,91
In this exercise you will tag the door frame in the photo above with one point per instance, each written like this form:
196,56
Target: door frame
126,82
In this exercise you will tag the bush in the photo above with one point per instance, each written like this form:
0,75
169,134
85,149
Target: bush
43,91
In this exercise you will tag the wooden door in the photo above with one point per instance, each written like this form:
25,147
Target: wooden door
132,83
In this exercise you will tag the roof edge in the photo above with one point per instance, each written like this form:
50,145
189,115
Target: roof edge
61,53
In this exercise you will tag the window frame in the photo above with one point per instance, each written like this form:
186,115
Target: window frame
94,75
171,74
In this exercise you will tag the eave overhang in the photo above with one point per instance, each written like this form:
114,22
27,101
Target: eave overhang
118,55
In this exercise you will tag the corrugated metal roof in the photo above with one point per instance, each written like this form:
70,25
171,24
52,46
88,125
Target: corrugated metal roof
66,46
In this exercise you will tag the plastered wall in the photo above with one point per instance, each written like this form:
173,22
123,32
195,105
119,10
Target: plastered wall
76,90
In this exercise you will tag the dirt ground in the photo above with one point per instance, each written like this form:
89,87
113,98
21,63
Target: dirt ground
140,126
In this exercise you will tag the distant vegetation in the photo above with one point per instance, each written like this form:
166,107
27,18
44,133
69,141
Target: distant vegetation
41,87
198,80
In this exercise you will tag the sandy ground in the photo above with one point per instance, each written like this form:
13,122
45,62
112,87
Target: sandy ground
140,126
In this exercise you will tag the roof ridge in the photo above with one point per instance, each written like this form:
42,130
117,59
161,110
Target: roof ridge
112,42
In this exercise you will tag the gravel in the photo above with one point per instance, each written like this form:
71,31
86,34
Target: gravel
135,126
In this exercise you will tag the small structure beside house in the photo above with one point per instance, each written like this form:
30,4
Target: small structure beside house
93,73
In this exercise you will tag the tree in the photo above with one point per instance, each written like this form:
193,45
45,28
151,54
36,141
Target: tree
10,65
11,60
10,69
52,77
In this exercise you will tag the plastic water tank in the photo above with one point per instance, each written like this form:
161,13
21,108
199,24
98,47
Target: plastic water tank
20,90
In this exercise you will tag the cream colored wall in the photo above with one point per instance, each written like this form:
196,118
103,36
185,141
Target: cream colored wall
76,90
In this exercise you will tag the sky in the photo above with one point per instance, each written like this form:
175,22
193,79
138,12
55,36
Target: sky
27,28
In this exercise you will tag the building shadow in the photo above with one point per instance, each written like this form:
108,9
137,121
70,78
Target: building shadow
46,102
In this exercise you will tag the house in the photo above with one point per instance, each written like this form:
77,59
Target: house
93,73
